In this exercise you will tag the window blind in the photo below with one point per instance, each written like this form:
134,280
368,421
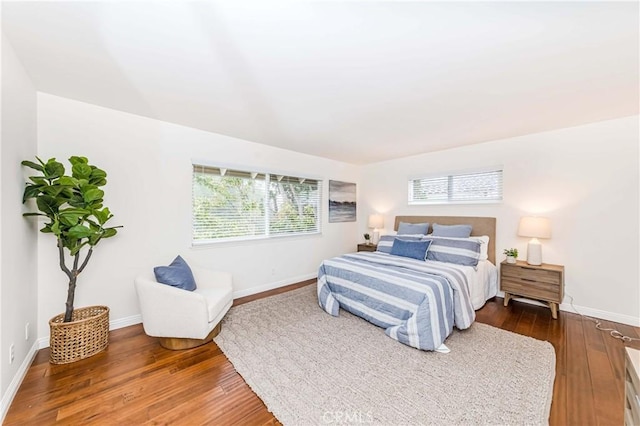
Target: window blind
235,204
483,186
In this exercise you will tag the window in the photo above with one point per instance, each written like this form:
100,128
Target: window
233,204
476,187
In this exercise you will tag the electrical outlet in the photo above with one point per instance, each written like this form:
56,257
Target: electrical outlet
12,353
26,331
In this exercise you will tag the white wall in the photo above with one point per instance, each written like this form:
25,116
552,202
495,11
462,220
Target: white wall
584,178
18,250
149,192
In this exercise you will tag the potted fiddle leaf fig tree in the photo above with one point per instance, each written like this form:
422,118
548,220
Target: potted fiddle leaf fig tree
72,206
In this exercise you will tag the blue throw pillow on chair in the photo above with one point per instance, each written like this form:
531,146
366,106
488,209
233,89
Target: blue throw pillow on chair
177,274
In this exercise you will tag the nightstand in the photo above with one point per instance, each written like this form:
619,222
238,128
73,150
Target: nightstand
367,247
632,387
544,283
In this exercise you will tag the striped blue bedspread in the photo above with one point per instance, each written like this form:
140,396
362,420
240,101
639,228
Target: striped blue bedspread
416,302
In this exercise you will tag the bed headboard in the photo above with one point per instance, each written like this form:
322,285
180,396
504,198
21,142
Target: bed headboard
480,226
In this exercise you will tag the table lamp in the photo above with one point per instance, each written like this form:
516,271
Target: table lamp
534,227
376,222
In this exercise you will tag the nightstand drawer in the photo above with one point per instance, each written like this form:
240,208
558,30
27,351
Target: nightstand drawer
531,289
367,247
530,274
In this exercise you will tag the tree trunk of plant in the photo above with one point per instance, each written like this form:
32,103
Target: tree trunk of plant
73,277
71,292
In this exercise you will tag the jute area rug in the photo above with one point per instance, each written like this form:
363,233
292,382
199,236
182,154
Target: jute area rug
310,368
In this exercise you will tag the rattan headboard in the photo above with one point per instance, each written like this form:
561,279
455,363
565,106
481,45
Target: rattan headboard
480,226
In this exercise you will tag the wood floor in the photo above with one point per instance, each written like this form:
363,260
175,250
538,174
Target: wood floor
136,381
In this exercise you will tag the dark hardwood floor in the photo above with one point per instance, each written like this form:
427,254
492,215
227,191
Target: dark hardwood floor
136,381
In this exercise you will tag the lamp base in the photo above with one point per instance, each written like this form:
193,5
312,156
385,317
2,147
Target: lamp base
376,236
534,253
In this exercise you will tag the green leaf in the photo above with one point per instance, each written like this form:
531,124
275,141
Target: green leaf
53,169
71,217
67,181
77,248
76,201
53,190
102,215
39,180
109,232
30,191
92,195
33,165
46,229
67,193
98,177
47,205
55,228
79,231
78,160
94,239
81,171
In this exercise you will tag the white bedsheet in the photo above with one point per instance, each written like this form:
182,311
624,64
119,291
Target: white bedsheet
483,281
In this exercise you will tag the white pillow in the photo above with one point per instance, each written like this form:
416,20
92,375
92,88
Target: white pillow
484,246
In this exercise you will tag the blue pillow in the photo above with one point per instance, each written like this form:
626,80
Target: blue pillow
386,242
451,231
405,228
178,274
413,249
460,252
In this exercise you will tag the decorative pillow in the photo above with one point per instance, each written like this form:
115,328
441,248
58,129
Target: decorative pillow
413,249
386,242
455,231
458,251
482,239
177,274
405,228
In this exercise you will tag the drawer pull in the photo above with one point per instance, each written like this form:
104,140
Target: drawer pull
528,279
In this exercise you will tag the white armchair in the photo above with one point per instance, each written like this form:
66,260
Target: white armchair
185,319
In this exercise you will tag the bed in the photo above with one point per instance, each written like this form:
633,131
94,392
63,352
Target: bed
416,301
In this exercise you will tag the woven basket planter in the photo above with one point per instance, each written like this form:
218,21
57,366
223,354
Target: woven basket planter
86,334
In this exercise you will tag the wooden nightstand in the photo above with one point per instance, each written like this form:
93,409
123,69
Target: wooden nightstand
632,387
367,247
544,283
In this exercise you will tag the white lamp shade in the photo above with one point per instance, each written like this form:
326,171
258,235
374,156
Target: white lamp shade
534,227
376,221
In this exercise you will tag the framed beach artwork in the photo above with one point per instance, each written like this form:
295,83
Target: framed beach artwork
342,201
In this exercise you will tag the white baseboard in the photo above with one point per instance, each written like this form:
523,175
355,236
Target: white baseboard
591,312
270,286
125,322
7,397
605,315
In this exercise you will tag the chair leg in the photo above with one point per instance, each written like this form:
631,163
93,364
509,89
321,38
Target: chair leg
178,343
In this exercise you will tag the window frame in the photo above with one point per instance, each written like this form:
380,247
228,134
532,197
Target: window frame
451,176
268,176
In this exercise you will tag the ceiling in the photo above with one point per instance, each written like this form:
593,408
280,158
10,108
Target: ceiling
358,82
